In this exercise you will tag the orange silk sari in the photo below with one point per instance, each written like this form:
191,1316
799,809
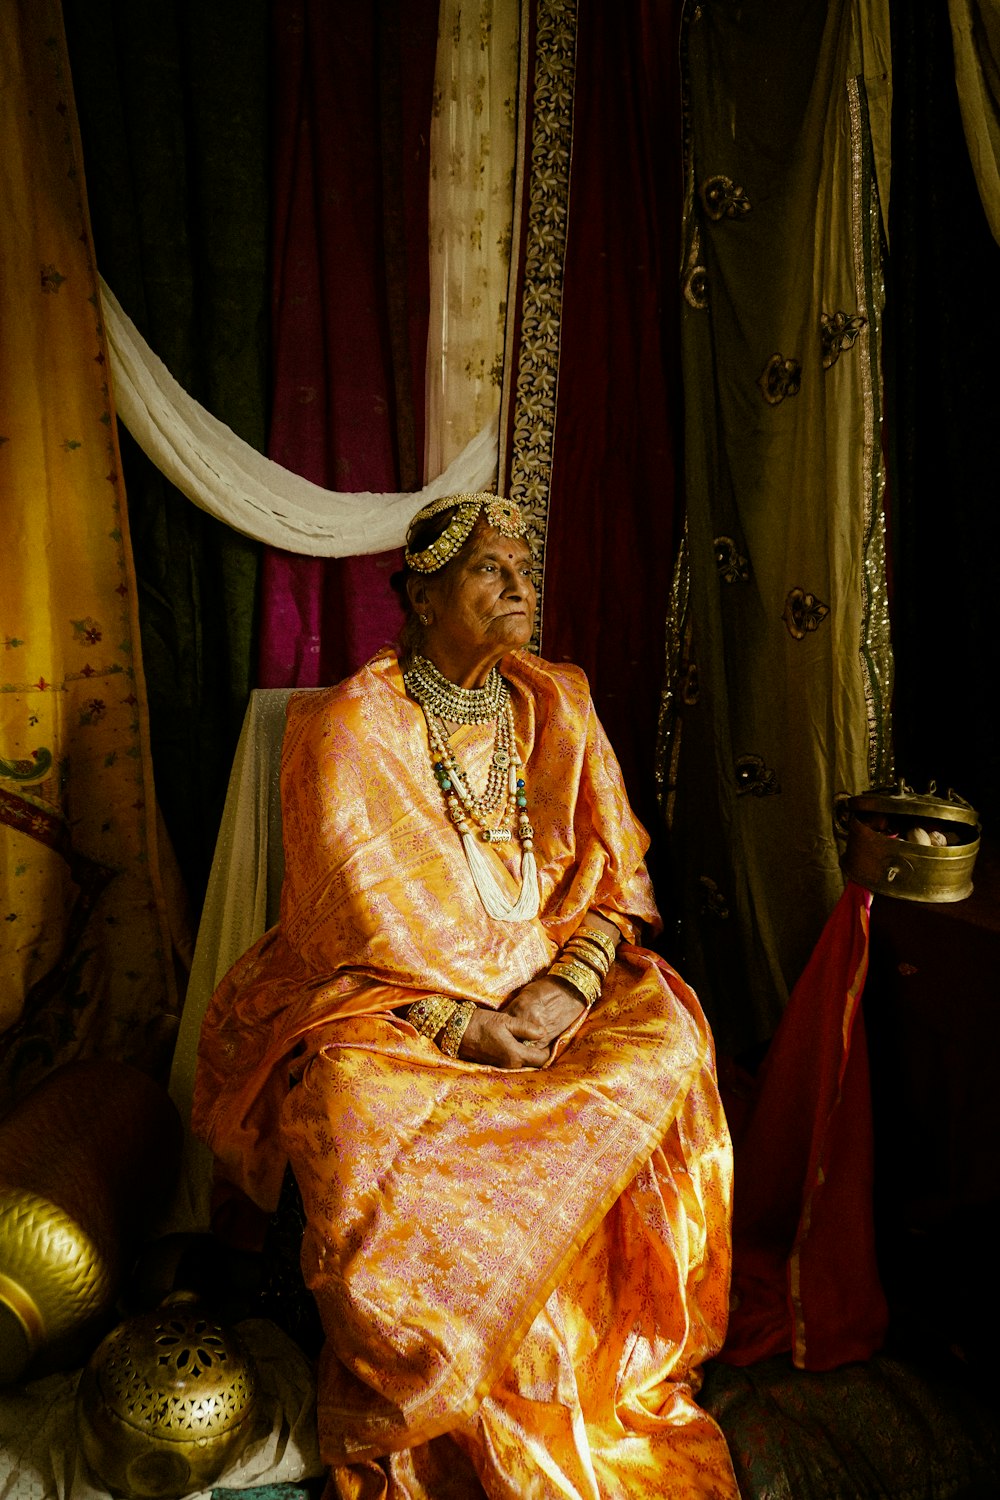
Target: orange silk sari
519,1273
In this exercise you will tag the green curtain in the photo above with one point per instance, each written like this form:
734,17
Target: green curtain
172,99
779,679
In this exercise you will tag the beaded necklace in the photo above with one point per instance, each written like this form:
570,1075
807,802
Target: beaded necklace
505,790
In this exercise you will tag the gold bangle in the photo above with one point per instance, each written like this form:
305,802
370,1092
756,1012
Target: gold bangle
427,1016
579,951
458,1021
602,939
583,980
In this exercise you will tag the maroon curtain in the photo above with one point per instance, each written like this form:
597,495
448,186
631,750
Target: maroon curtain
353,81
610,541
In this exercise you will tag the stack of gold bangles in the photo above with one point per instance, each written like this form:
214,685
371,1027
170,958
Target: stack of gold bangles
436,1014
584,962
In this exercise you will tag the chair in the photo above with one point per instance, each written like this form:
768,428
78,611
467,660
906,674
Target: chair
241,902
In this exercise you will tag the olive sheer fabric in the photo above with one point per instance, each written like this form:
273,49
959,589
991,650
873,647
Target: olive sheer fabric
519,1273
780,676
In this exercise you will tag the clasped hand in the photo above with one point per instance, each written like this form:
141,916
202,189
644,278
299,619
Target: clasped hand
522,1033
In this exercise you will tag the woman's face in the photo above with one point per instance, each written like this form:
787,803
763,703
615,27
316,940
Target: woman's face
483,605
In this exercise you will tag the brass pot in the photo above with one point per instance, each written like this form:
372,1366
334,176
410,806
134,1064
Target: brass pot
86,1158
886,849
166,1401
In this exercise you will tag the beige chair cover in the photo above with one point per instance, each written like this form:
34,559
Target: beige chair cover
244,891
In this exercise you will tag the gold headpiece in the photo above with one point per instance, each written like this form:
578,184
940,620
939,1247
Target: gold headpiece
502,514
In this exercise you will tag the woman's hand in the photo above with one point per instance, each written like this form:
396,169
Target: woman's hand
503,1041
543,1009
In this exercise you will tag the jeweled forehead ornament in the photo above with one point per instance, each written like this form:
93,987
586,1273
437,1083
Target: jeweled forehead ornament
503,515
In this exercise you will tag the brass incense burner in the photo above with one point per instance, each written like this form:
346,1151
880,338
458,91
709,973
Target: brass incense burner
917,847
166,1401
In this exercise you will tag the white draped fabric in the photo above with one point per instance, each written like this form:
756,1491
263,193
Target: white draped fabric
223,475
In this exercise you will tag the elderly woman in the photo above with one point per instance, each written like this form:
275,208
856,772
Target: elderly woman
501,1112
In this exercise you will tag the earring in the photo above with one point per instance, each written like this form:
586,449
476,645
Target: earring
424,620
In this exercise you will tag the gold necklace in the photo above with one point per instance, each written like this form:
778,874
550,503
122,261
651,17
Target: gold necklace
469,812
458,705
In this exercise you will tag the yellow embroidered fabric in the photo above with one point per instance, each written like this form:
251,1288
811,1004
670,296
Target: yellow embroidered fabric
84,940
519,1273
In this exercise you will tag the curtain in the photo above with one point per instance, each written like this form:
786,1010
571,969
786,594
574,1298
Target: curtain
942,336
588,437
780,679
85,942
975,30
173,100
473,129
352,104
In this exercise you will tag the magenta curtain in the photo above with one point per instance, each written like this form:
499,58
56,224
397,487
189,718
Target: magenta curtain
353,81
611,517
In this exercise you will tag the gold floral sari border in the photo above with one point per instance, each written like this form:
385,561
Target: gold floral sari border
546,193
875,644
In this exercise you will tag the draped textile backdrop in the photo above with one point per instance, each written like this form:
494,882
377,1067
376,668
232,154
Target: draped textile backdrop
173,104
352,105
85,945
942,340
353,133
779,682
592,387
473,137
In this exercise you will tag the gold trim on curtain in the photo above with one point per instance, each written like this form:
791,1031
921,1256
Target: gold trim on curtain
528,414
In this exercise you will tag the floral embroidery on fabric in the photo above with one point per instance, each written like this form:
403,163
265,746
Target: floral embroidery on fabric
724,199
803,613
88,630
732,565
541,299
754,777
695,288
93,711
837,332
695,281
713,902
50,278
779,378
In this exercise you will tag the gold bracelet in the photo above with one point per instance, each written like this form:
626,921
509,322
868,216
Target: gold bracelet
427,1016
583,980
579,951
455,1029
602,939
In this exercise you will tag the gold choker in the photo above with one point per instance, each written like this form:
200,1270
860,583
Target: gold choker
458,705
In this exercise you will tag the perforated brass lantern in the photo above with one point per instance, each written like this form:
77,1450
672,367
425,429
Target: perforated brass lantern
911,845
165,1402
